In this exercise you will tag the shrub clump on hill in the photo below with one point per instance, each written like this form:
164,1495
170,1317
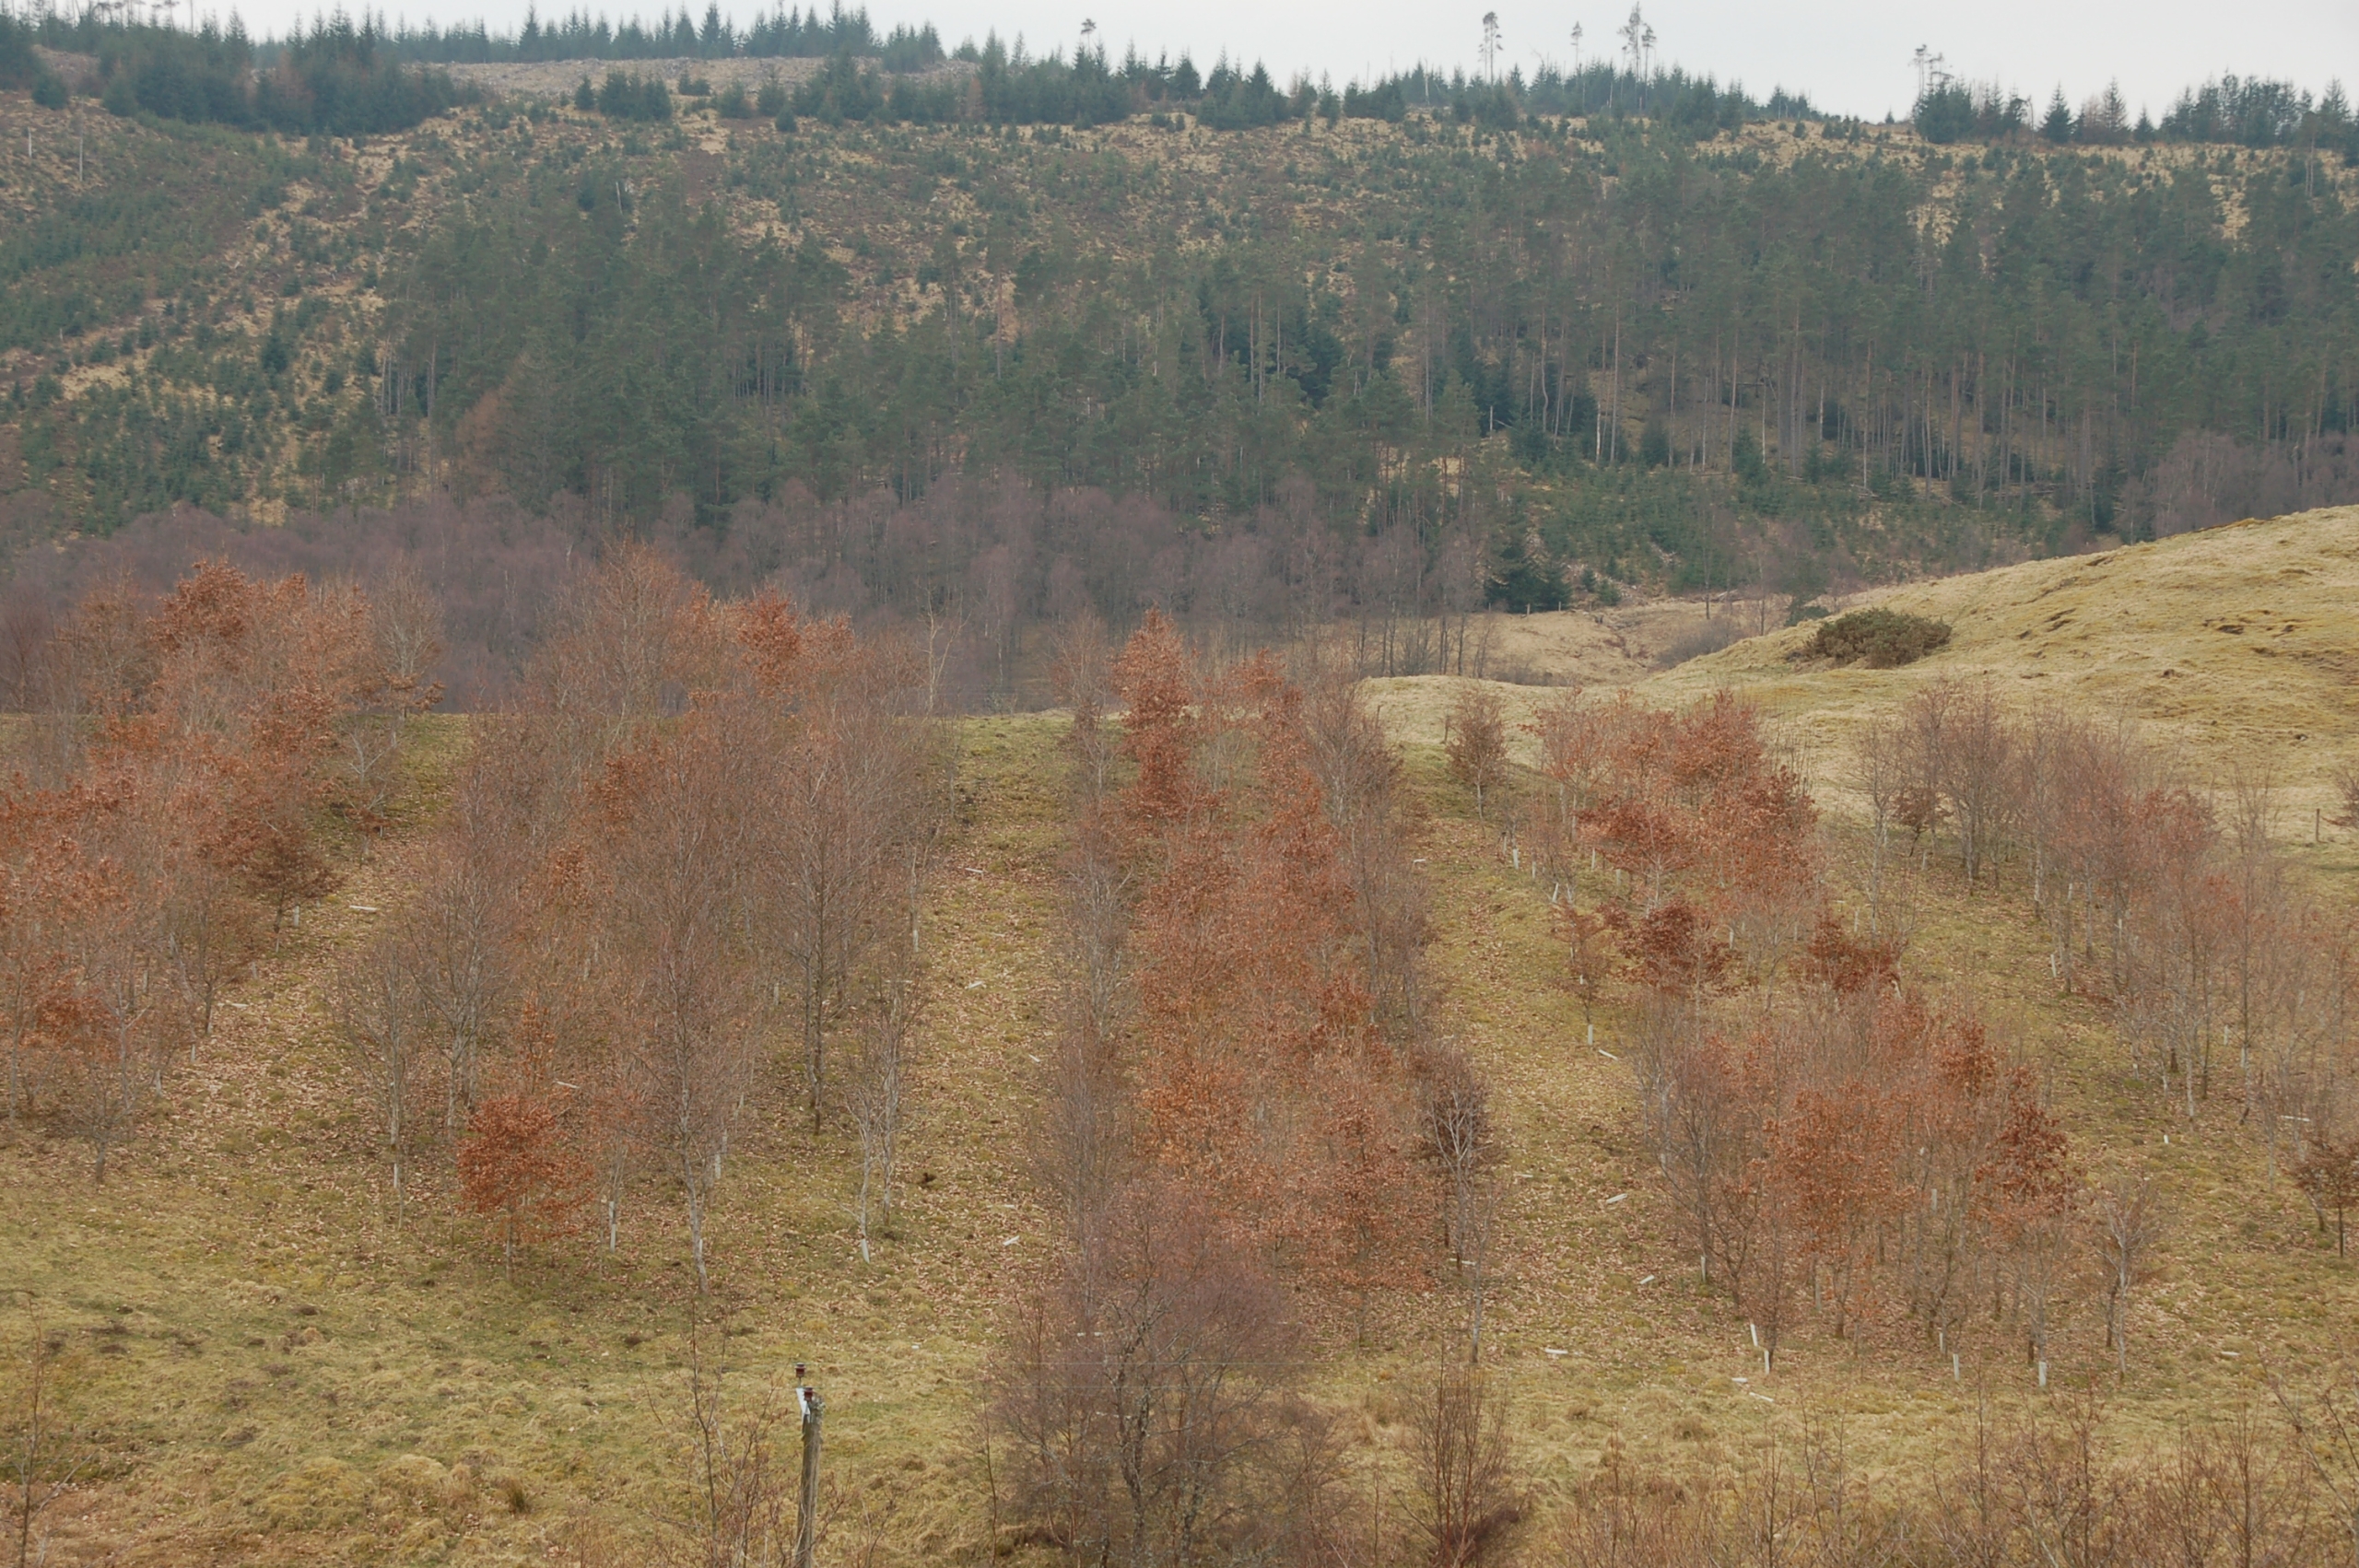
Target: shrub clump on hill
1881,639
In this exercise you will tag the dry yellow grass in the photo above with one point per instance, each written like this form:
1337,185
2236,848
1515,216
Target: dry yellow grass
1527,660
2238,647
385,1422
1603,647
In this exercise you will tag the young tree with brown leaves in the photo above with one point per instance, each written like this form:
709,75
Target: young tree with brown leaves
111,1040
1252,989
515,1164
1835,1157
1837,1135
2328,1172
1160,733
1228,1088
545,880
272,836
580,1006
100,659
264,673
197,744
703,820
1692,805
1474,739
48,888
1589,959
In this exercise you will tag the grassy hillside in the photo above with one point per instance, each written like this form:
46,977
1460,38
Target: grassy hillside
2237,644
263,1367
2234,644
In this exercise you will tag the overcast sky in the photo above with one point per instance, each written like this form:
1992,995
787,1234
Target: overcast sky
1852,58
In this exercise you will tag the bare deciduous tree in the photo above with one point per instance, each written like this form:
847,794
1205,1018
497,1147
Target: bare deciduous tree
2344,781
1081,676
1145,1397
1455,1130
1877,773
461,933
833,865
675,828
875,1097
2326,1434
1463,1500
1359,778
388,661
2130,1224
382,1015
118,1026
1964,748
43,1458
738,1482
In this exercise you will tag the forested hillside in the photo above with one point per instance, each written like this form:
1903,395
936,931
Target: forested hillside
1404,350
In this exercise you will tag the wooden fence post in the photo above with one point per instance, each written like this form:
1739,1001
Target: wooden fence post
807,1523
